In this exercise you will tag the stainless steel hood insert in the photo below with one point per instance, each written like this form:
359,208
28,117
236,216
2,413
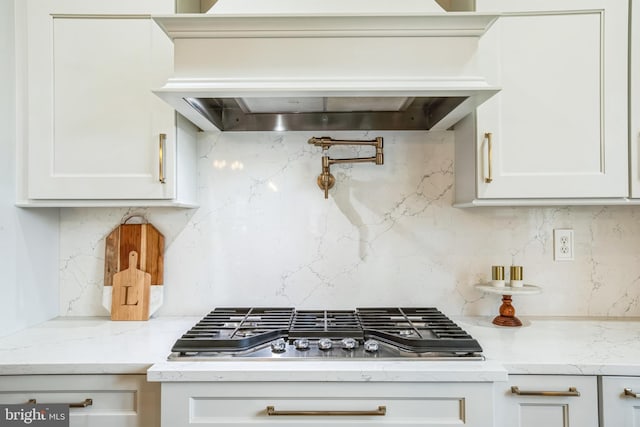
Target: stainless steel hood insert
243,72
333,113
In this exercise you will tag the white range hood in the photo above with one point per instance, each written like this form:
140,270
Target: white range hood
263,65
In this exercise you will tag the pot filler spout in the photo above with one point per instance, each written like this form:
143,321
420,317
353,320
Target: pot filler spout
326,180
310,65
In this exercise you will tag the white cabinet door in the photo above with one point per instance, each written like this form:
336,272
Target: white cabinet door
93,126
559,126
634,101
338,404
116,400
620,408
536,410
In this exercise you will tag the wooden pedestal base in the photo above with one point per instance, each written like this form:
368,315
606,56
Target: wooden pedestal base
507,314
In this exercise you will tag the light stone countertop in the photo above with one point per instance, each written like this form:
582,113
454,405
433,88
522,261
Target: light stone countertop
325,370
90,345
568,346
542,346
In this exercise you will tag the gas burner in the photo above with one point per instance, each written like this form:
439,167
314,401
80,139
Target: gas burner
362,333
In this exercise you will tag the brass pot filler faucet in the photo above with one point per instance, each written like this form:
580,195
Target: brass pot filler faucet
325,179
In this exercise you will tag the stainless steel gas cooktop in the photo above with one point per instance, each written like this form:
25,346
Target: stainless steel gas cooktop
364,333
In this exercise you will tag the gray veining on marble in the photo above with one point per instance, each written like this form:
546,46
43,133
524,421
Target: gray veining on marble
387,235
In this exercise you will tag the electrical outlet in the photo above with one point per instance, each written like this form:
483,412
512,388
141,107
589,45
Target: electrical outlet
563,244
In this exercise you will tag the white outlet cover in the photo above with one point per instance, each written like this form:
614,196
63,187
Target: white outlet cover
563,244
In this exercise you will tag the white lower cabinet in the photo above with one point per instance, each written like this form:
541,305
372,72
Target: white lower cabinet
325,403
620,402
116,400
547,400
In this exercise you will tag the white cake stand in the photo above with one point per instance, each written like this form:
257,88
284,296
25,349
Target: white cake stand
507,315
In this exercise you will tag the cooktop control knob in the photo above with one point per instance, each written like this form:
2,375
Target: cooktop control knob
301,344
324,344
349,343
371,346
278,346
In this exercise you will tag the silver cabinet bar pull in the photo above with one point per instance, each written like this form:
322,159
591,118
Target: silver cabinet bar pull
83,404
381,411
630,393
573,392
161,160
489,136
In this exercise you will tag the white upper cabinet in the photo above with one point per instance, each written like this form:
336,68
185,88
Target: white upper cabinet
558,129
634,104
94,133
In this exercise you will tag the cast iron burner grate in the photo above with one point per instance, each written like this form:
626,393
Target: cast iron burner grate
416,329
240,331
332,324
236,329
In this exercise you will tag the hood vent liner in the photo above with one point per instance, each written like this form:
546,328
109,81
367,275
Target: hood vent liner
336,113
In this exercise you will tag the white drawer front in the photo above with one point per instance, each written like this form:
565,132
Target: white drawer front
320,404
116,400
547,400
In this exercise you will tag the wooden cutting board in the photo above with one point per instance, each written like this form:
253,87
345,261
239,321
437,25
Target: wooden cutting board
145,239
131,290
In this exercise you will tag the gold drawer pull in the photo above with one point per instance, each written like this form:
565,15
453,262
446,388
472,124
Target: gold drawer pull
573,392
381,411
630,393
162,145
83,404
489,136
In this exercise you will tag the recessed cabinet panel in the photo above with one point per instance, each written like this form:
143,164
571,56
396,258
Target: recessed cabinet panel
568,108
432,410
101,123
245,404
554,415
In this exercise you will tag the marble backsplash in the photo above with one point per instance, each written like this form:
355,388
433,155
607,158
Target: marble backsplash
387,236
